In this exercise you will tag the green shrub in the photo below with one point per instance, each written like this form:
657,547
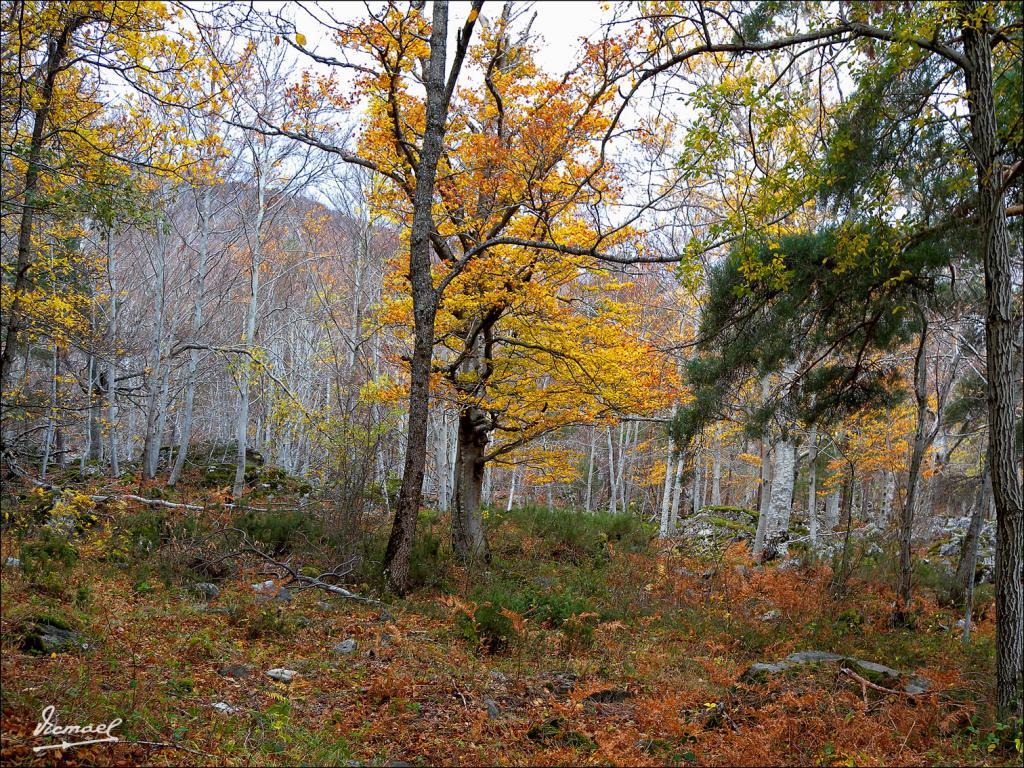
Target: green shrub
279,530
269,622
51,553
488,626
428,566
582,534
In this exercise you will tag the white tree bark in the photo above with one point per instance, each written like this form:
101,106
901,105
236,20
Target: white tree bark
666,494
249,334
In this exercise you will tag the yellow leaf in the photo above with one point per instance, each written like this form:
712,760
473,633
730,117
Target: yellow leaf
300,38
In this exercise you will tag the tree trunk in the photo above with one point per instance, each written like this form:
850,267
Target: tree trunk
590,473
151,443
57,49
1003,378
780,503
115,465
716,476
764,498
812,487
198,280
666,496
903,588
424,308
963,583
249,333
468,541
677,493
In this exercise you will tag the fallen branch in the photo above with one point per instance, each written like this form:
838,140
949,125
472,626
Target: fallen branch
314,582
865,684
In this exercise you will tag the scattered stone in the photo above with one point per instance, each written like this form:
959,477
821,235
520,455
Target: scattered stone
282,675
263,586
562,683
237,671
217,609
206,590
12,562
493,711
788,565
397,764
759,672
345,647
386,616
283,595
224,708
498,676
771,615
879,674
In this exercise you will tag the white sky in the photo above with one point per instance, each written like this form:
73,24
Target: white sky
560,24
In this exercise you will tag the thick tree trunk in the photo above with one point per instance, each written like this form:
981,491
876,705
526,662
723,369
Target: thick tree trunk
764,498
716,475
468,541
424,308
1003,377
780,503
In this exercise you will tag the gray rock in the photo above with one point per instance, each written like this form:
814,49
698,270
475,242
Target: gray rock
263,586
788,565
345,647
282,675
498,676
224,708
386,616
812,657
283,595
877,669
206,590
771,615
44,639
237,671
492,709
917,685
12,562
759,671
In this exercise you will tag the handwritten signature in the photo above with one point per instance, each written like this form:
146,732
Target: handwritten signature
101,732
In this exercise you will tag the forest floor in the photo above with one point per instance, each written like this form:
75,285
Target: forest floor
584,641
